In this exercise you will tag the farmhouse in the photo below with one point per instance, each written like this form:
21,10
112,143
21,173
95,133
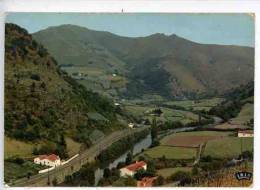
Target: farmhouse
131,169
48,160
116,104
131,125
246,133
146,182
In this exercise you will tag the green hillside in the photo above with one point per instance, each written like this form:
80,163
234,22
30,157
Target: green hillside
43,104
168,66
238,104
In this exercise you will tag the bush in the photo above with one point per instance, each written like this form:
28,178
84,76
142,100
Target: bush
159,181
35,77
107,173
180,175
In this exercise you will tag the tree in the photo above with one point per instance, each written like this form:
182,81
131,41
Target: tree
68,180
179,175
33,87
154,129
129,158
35,151
159,181
19,160
54,182
107,173
35,77
120,165
151,171
141,158
130,182
140,174
195,170
87,174
29,175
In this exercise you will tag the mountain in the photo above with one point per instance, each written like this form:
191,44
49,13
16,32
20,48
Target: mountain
42,103
166,66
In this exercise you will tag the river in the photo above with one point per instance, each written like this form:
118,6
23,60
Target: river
143,144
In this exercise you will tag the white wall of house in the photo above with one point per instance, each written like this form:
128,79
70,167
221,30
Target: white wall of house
126,172
245,134
47,162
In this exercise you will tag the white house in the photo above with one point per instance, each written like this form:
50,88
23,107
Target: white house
131,169
131,125
246,133
48,160
116,104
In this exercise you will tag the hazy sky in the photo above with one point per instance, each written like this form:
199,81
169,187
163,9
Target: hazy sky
230,29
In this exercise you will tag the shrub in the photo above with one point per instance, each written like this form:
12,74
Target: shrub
35,77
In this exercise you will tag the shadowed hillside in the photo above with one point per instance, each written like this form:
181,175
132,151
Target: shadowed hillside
42,103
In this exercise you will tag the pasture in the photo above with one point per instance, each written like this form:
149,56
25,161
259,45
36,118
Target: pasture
14,147
192,139
204,104
73,147
167,172
171,152
168,114
228,147
244,116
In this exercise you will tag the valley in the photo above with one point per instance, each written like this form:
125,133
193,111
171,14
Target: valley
99,104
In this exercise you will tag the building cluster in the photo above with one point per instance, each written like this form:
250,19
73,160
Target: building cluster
130,170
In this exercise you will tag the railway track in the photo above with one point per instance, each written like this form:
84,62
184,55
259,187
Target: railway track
83,158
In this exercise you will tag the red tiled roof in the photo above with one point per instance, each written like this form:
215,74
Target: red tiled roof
146,182
51,157
136,166
41,157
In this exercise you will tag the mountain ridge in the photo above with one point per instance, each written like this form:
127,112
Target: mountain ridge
190,68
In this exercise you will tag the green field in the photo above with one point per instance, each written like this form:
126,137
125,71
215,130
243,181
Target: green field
244,116
73,147
228,147
14,147
205,104
196,133
167,172
13,171
171,152
167,115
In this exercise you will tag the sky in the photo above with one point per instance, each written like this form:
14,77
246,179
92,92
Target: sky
225,29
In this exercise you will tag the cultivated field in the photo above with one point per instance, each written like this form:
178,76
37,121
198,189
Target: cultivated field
167,115
205,104
14,147
193,139
228,147
184,145
167,172
171,152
